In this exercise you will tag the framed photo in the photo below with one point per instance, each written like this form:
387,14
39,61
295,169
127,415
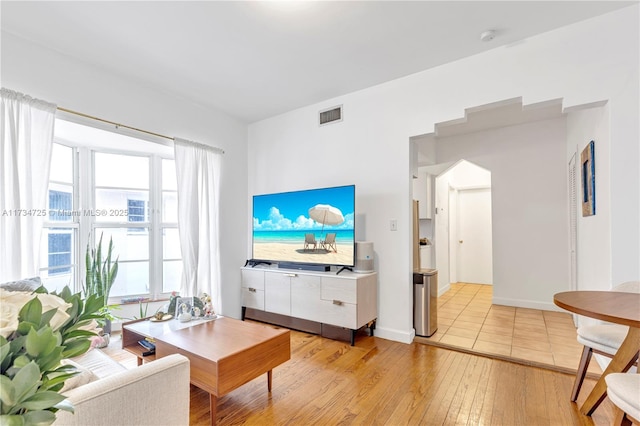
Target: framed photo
183,304
588,169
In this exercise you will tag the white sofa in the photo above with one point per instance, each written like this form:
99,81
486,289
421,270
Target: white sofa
155,393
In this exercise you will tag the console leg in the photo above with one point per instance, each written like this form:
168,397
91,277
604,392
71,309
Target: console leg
244,312
353,337
213,407
269,379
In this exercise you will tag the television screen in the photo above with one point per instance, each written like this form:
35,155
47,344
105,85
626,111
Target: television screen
314,226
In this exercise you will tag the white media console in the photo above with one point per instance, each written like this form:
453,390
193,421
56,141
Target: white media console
309,300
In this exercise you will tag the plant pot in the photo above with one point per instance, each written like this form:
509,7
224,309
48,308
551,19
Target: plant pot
106,328
106,338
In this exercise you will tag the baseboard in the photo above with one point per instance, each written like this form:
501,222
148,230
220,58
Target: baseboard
395,335
531,304
444,289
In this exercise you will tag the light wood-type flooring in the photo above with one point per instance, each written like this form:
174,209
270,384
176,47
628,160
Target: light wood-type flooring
381,382
467,320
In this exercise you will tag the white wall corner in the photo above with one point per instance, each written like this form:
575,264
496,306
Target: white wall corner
442,290
395,335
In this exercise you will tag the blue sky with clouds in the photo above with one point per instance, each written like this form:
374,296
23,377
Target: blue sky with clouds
290,210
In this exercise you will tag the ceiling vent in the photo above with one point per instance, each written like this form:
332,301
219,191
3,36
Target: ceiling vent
331,115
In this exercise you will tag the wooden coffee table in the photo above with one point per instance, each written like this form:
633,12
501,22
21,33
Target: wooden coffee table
226,353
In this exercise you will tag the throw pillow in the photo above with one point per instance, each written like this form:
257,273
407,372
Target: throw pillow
85,376
27,284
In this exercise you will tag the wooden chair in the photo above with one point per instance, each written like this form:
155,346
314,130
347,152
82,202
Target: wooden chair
310,240
329,242
603,339
623,390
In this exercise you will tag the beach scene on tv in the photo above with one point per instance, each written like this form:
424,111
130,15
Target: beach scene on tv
312,226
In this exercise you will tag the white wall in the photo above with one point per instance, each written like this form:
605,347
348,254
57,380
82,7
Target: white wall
589,61
594,244
593,251
468,175
461,175
47,75
529,207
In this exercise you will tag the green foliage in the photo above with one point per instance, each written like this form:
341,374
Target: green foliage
32,375
101,274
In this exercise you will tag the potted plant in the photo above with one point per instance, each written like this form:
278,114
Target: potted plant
38,330
101,274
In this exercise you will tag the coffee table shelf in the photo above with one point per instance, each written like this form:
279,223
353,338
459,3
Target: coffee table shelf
136,330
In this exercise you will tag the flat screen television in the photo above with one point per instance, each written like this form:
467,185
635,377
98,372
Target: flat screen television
309,227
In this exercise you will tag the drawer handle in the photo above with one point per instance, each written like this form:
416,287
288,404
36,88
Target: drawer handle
337,302
252,290
290,275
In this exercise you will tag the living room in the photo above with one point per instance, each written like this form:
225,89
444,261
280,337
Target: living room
592,62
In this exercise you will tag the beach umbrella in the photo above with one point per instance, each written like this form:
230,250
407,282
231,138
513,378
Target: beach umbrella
326,215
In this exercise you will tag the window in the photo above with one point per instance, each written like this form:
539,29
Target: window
136,210
120,188
60,253
59,237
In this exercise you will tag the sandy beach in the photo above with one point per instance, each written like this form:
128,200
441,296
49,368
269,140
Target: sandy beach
294,252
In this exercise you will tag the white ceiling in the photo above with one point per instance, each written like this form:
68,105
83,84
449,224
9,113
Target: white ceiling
254,60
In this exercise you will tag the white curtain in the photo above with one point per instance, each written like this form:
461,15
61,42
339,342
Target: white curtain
198,173
26,129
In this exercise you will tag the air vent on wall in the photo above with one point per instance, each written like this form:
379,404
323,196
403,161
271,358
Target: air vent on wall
331,115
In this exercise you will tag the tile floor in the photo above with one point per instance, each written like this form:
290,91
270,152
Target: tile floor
467,319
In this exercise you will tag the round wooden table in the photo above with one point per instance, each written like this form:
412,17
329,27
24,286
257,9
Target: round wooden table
612,306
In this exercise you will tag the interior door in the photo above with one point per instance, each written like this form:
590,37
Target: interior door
475,261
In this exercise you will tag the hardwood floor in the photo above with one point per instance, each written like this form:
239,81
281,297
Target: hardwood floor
381,382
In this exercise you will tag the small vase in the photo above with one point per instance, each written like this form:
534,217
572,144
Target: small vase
106,328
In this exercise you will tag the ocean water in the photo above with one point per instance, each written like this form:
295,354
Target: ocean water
342,236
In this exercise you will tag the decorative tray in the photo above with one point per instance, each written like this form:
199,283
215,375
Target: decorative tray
165,317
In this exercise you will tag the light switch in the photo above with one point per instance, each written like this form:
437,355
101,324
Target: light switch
393,224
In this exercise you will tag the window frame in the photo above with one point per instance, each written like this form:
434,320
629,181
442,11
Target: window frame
84,221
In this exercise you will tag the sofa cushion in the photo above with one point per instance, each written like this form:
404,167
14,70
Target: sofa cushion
99,363
85,376
27,284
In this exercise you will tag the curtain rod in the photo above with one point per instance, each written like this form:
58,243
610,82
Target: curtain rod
113,123
117,125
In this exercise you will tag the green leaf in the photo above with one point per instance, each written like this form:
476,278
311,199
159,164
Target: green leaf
12,420
31,311
51,361
42,400
39,418
78,333
92,303
5,350
7,391
21,361
59,379
42,341
75,348
65,294
46,317
25,326
41,290
26,381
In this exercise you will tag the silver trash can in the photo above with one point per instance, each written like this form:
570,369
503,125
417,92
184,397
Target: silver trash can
425,301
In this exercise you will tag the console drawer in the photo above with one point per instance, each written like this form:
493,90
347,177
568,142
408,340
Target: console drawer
253,298
339,289
253,279
339,313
